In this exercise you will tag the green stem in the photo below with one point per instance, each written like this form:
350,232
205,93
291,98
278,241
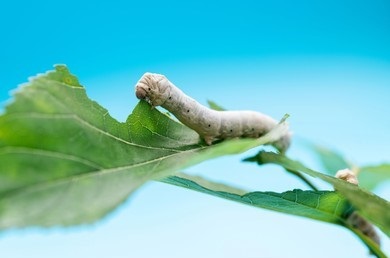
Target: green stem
371,245
303,178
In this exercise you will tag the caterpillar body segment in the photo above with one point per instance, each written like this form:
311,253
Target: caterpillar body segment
210,124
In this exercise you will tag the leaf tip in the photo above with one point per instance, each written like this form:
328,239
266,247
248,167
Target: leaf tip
61,74
284,118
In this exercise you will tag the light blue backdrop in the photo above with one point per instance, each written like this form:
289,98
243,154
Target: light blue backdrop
325,63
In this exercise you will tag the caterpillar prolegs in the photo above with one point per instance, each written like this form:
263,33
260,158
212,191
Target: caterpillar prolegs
210,124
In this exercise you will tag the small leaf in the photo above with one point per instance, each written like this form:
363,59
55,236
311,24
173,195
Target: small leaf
371,176
215,106
64,160
371,206
331,160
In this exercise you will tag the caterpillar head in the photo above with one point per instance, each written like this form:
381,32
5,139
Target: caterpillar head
154,88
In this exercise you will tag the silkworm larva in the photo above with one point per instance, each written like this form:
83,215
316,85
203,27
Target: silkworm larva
354,218
210,124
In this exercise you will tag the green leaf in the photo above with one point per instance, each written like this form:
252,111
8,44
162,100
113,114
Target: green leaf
327,206
215,106
371,206
371,176
64,160
331,160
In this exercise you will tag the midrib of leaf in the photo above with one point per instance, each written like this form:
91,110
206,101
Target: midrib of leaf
78,119
96,172
47,153
256,199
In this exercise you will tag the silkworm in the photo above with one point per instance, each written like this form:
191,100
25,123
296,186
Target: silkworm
354,219
210,124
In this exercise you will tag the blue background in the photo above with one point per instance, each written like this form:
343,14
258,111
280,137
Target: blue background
327,63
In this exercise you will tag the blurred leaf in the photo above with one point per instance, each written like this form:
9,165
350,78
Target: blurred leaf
327,206
215,106
331,160
371,176
371,206
64,160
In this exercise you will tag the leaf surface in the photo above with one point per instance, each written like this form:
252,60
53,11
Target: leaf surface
320,205
331,160
371,206
64,160
372,176
327,206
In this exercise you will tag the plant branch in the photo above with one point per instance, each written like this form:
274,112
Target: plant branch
303,178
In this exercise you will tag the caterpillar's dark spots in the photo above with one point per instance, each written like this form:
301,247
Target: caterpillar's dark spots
197,116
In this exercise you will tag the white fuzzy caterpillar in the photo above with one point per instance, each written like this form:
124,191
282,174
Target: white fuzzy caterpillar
210,124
